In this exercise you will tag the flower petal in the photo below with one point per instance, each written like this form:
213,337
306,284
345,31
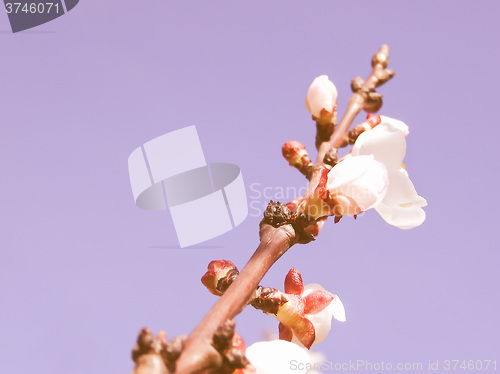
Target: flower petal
276,357
385,142
316,301
402,206
335,308
361,180
322,323
396,123
285,333
304,331
402,217
401,191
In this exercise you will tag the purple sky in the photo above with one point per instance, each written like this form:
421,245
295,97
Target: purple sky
82,269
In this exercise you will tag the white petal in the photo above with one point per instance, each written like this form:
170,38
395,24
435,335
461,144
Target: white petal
322,322
386,143
361,179
402,217
336,308
322,94
396,123
401,191
402,206
278,356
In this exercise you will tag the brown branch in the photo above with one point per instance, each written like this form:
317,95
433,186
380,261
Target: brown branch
324,131
156,355
274,242
362,97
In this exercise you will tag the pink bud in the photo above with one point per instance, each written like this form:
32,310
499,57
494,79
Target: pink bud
293,151
217,270
321,98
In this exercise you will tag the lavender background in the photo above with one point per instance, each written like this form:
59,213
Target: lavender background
82,269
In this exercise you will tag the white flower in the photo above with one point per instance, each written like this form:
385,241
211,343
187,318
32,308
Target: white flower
278,357
306,317
322,321
356,185
396,123
373,177
401,206
321,98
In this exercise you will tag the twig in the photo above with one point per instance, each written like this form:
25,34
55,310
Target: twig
197,352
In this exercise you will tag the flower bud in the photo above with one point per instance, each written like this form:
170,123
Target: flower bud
321,98
296,155
306,317
219,275
293,151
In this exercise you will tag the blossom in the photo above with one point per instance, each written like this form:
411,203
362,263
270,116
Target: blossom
277,356
401,206
307,315
321,98
372,176
322,321
357,184
351,187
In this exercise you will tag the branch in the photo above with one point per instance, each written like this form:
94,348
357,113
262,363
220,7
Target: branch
156,355
274,242
198,353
